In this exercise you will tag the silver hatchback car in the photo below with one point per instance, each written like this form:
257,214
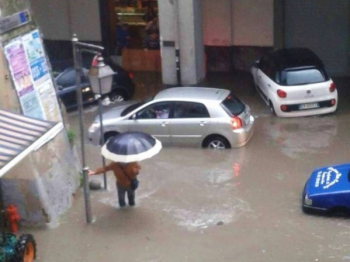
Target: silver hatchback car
182,116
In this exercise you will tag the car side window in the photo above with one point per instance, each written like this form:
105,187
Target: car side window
67,79
155,111
190,110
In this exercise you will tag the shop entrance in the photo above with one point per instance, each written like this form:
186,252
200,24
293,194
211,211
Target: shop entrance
127,28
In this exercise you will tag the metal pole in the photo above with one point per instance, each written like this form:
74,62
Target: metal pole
88,212
177,42
78,48
102,132
77,66
178,71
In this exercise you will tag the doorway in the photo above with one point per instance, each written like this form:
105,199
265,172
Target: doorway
132,14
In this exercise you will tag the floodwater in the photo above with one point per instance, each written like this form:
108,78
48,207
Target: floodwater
201,205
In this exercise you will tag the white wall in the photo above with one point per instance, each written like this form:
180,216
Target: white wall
238,22
253,22
217,28
52,18
85,17
166,24
190,41
59,19
198,40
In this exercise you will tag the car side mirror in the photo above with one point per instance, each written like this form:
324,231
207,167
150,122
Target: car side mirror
60,87
134,117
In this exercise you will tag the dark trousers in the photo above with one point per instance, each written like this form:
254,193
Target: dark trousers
122,191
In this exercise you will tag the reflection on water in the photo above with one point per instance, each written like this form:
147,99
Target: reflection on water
196,187
304,134
202,217
236,170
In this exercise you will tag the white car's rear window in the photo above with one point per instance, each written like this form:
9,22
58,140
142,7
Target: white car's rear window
302,77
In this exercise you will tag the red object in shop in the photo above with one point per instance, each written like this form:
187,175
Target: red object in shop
94,60
12,217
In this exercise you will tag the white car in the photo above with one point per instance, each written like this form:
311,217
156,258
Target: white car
182,116
293,82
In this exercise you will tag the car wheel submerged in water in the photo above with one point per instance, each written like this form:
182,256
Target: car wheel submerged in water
217,143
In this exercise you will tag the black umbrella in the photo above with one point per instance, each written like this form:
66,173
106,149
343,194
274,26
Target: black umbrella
130,147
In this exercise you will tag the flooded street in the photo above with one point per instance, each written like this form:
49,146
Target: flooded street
202,205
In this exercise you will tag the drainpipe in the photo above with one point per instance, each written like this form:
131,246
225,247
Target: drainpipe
232,58
177,41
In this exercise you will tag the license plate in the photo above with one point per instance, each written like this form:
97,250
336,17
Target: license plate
308,106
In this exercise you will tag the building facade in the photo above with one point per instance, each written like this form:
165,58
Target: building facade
222,35
39,170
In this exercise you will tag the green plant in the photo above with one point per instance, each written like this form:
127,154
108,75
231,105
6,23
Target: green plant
71,136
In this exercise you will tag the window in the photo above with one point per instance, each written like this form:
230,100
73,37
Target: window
67,79
155,111
233,105
135,106
302,77
190,110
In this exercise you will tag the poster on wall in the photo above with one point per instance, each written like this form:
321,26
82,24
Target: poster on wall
22,79
41,75
31,76
36,57
48,99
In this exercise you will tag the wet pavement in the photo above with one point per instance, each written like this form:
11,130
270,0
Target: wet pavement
201,205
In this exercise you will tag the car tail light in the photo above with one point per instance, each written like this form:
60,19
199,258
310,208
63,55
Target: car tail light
332,88
284,108
131,75
333,102
236,122
281,93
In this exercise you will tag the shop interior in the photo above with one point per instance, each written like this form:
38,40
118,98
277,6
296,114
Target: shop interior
132,16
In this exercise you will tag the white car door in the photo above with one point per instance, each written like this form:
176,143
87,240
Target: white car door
265,74
260,77
267,86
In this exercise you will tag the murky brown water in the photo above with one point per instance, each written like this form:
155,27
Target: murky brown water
201,205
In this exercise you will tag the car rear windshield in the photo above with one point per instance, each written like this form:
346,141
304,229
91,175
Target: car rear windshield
233,105
302,76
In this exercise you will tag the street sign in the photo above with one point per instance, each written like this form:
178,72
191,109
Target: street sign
13,21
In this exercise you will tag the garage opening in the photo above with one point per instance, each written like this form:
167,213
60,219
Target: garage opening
130,33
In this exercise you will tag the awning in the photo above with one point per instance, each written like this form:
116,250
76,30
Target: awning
20,135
